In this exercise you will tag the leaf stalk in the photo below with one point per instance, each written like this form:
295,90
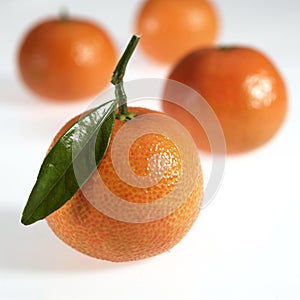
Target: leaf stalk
117,79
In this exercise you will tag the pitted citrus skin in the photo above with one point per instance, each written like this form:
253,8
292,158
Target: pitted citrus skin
79,224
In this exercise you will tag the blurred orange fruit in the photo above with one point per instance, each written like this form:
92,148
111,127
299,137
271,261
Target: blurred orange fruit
85,228
244,89
66,59
172,28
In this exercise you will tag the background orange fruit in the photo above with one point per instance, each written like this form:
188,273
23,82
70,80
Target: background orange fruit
172,28
66,59
244,89
92,232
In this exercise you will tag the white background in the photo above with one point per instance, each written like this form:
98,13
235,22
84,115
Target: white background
245,245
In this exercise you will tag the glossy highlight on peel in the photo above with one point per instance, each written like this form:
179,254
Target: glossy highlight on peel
243,87
66,59
157,168
85,228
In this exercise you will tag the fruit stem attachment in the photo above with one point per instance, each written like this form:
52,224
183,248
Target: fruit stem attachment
225,47
64,14
117,79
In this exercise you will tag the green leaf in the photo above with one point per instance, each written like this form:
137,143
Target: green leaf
71,162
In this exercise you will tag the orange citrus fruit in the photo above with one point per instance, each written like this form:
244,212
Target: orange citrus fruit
90,231
172,28
66,59
243,87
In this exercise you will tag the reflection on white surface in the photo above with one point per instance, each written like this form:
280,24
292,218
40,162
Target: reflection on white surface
244,246
36,249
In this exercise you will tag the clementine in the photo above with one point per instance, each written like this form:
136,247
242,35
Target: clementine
66,58
127,237
172,28
243,87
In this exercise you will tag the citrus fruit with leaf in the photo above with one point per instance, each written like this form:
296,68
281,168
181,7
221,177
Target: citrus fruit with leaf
172,28
119,184
66,58
243,87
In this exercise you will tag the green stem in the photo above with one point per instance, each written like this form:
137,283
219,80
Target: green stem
64,15
122,98
117,79
225,48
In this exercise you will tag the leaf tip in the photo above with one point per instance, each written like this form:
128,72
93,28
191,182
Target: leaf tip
25,221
